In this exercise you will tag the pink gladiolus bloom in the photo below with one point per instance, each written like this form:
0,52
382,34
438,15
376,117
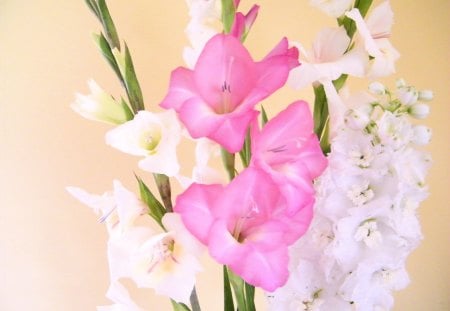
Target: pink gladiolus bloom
245,226
289,151
217,98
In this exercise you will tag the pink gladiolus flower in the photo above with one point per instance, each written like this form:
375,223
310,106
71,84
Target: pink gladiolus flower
242,23
289,151
245,225
217,98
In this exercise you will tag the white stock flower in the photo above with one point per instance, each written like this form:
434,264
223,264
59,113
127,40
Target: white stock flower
422,135
419,110
374,33
334,8
154,136
100,106
394,131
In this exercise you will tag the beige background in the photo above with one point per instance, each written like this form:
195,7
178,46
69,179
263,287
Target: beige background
52,250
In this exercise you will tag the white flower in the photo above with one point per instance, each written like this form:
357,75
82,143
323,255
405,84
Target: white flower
394,131
360,193
334,8
368,232
169,261
374,34
204,14
153,136
328,59
422,135
100,106
377,88
120,296
419,111
119,208
426,95
407,95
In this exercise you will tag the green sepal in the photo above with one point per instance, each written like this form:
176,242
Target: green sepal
108,25
340,82
105,49
228,13
129,114
264,118
132,84
228,304
156,209
165,192
228,162
179,306
246,151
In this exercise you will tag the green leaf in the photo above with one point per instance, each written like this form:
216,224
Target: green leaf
156,210
108,25
363,6
105,49
228,162
227,295
132,84
179,306
250,297
93,6
320,109
228,13
238,285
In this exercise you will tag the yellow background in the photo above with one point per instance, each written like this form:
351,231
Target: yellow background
52,249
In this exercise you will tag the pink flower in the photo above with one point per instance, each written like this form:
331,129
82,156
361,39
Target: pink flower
245,226
217,98
242,23
289,151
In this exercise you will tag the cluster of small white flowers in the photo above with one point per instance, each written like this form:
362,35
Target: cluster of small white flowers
365,222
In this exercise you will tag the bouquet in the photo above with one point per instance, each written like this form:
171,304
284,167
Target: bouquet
315,208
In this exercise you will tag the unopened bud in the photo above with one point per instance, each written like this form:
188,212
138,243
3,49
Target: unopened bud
419,111
426,95
407,95
377,88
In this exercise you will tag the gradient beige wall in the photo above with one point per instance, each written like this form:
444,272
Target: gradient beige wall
52,250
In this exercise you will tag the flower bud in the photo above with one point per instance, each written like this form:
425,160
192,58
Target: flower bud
377,88
100,106
419,111
407,95
426,95
422,135
400,83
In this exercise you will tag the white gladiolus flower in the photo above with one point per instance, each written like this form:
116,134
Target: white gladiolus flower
100,106
153,136
120,296
119,208
334,8
169,261
328,59
374,33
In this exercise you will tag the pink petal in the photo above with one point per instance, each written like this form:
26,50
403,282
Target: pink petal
195,205
225,73
231,133
182,88
198,118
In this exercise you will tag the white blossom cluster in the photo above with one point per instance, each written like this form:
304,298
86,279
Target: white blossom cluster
365,222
